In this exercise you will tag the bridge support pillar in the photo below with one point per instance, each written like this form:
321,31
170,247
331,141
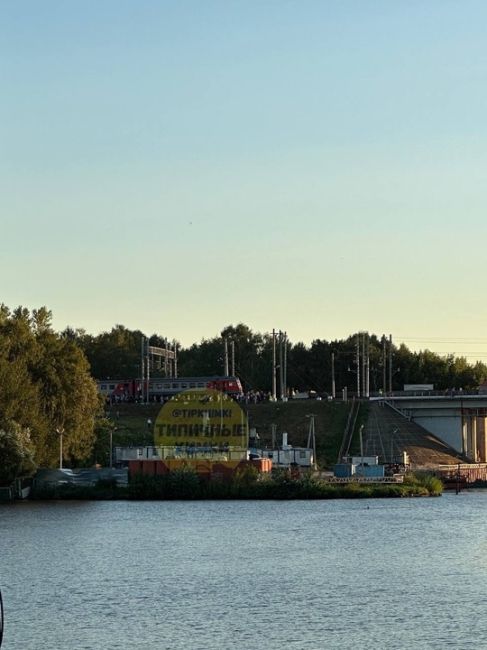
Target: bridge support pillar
473,437
482,439
470,435
464,427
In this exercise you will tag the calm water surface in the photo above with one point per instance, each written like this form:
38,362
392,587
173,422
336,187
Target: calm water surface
398,573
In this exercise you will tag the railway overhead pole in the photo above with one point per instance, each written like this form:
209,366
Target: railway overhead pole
167,357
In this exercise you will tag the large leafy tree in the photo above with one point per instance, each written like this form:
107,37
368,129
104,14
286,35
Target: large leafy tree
205,358
249,348
46,386
115,354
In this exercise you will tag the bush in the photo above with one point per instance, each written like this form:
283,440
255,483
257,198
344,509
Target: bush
423,483
147,487
180,484
186,484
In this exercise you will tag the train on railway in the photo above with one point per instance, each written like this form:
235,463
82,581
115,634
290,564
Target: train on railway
163,388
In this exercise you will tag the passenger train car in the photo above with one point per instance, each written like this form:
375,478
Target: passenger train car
161,389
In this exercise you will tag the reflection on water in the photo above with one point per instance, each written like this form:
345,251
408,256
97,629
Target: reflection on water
398,573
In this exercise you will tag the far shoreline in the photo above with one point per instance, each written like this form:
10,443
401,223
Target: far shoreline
187,486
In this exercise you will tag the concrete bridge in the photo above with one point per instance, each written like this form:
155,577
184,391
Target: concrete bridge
458,420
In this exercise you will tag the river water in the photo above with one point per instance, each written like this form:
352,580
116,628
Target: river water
392,573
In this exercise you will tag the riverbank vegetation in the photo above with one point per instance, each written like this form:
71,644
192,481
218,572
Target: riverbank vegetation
186,485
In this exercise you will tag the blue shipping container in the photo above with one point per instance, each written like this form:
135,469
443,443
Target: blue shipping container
370,471
343,470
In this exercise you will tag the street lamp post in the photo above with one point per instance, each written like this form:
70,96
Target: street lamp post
60,431
111,448
312,438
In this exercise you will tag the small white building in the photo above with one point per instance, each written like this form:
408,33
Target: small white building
122,455
365,460
286,455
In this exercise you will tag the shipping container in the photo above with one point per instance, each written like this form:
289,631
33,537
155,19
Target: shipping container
343,470
370,471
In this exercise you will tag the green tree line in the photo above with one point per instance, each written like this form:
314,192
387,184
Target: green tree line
116,355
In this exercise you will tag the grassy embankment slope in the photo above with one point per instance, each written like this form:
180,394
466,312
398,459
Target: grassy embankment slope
290,417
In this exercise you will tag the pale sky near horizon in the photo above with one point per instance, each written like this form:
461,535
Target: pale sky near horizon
317,167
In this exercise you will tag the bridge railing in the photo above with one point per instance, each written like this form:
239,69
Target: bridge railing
450,392
466,472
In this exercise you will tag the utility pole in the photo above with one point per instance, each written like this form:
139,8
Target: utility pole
384,366
363,365
285,366
357,358
168,364
225,357
367,367
175,359
142,368
333,375
390,363
232,347
274,396
147,362
281,367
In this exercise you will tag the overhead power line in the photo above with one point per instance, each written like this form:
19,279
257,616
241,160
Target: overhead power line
438,339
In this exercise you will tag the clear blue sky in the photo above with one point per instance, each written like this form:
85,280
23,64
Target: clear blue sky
317,167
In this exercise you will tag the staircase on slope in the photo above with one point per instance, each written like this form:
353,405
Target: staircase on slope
388,433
